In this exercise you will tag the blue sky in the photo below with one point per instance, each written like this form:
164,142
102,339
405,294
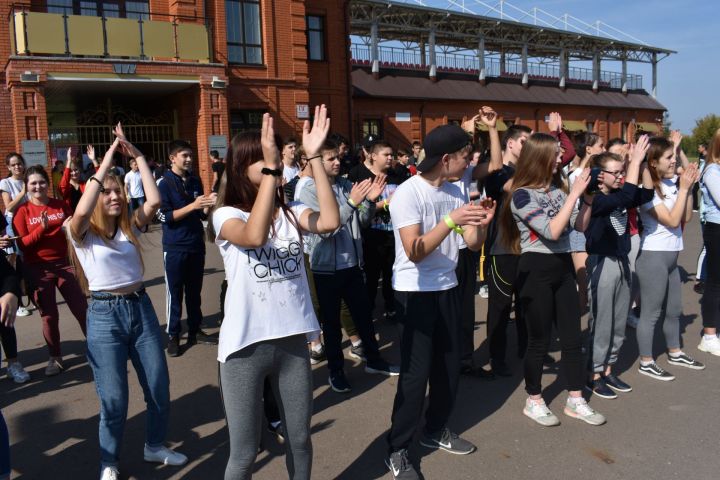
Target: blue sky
686,79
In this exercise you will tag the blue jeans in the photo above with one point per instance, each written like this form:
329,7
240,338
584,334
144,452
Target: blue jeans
118,328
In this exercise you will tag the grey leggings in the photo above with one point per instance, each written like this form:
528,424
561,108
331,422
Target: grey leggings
659,290
285,361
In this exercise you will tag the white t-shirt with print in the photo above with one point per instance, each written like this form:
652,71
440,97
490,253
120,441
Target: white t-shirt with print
657,237
417,202
290,172
268,295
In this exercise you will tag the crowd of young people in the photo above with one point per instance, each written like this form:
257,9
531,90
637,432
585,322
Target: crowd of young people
566,226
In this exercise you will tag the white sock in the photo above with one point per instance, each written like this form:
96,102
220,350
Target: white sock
646,363
576,400
357,343
675,354
709,337
317,348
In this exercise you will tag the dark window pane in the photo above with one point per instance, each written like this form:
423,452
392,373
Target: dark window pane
251,23
314,22
60,6
137,10
254,55
236,54
316,48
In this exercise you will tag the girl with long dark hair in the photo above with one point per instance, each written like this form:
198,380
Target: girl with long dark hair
268,311
535,223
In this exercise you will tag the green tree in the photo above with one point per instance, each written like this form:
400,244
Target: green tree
705,128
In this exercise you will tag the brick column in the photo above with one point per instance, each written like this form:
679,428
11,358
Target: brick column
29,113
212,120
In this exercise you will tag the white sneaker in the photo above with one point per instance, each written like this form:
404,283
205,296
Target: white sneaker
581,410
710,346
110,473
484,291
165,456
54,367
632,320
17,373
22,312
538,411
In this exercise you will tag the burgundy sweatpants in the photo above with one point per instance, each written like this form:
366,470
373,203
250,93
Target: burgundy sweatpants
44,277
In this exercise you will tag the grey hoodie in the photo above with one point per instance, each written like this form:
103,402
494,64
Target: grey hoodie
322,246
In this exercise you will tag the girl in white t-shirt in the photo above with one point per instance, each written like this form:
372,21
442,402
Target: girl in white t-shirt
268,311
12,190
656,266
121,321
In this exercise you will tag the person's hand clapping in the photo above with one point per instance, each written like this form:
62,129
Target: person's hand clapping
377,187
689,177
554,122
581,183
488,117
638,151
360,191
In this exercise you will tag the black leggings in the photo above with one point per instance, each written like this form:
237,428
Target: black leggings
547,293
502,286
9,341
710,303
379,256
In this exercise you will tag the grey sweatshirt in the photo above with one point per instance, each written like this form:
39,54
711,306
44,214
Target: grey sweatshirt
323,247
533,209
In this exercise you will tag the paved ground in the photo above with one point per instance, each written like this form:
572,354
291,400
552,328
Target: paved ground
660,430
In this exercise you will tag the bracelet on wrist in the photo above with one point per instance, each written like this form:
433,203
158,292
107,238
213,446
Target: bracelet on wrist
386,205
452,225
314,157
275,172
101,186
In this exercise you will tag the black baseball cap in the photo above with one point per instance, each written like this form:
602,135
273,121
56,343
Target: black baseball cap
440,141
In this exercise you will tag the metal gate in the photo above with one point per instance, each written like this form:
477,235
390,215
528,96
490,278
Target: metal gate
94,127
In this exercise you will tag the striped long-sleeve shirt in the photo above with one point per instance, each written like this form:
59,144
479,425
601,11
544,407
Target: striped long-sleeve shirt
533,209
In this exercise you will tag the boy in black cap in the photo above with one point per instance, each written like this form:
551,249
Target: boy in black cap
429,215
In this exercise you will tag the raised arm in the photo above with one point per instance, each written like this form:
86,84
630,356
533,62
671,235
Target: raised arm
328,218
80,221
144,214
682,210
254,233
488,117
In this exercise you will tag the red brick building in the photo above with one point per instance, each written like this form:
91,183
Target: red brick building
204,69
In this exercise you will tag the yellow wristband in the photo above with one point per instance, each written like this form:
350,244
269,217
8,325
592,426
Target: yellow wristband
452,226
386,205
352,203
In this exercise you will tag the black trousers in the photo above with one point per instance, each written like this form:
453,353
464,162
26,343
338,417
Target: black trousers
430,353
502,279
710,303
547,293
379,256
184,273
8,338
466,272
348,285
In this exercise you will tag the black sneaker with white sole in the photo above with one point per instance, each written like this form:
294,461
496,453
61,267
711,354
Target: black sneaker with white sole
600,388
685,360
655,371
400,466
357,352
614,382
382,367
338,382
448,441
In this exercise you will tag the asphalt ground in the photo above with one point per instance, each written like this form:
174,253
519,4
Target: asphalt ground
659,430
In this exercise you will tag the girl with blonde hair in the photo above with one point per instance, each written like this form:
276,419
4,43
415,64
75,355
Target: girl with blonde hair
121,320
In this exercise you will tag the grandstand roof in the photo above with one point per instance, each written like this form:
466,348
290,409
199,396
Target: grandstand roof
403,86
412,23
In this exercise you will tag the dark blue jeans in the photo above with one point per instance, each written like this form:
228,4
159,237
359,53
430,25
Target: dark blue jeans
120,328
183,278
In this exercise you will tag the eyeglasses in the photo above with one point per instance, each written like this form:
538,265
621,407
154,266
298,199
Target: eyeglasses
615,174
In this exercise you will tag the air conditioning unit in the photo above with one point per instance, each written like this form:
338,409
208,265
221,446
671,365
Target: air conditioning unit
29,77
217,83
